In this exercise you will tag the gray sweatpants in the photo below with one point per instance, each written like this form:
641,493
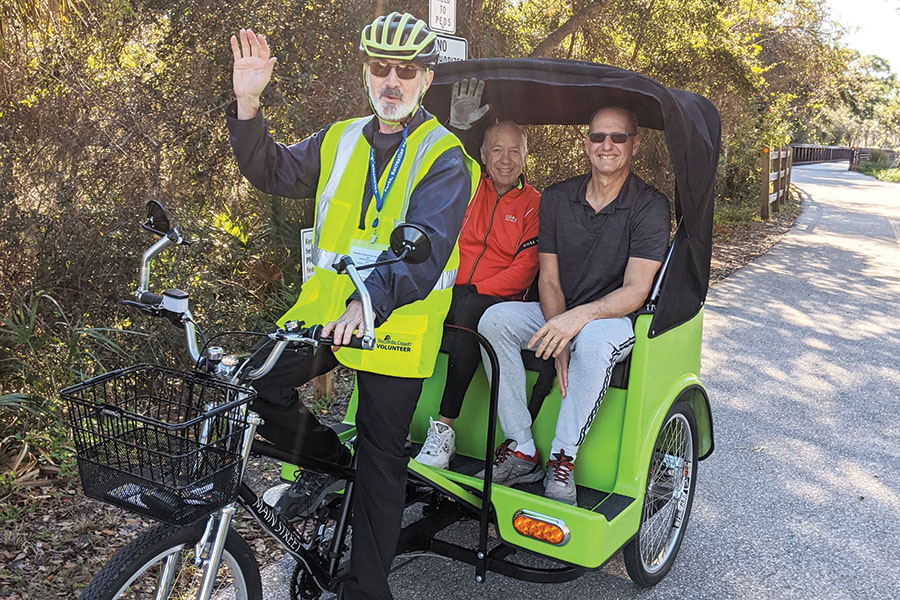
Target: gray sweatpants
594,352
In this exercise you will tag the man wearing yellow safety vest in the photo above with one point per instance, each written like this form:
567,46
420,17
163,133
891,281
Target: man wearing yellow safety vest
367,175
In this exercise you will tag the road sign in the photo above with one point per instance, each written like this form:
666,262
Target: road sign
452,48
442,15
306,263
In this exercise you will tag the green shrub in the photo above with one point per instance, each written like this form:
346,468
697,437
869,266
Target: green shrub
892,175
879,157
45,350
881,171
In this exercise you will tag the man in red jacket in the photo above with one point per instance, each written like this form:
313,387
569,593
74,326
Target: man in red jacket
497,261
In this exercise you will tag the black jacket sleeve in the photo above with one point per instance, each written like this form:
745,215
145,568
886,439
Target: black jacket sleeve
291,171
469,139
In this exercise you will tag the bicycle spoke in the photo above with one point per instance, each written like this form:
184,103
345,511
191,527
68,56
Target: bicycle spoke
668,483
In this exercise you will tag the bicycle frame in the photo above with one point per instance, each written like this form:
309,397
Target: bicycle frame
208,551
324,575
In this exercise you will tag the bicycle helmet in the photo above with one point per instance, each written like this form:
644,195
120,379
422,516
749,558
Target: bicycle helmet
400,37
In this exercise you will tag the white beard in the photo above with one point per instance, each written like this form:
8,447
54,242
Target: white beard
387,111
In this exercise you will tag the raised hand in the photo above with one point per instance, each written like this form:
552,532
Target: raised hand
252,71
465,103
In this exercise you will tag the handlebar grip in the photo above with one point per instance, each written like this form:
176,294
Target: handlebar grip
150,298
355,342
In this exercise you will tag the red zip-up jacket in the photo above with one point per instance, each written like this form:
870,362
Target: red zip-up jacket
498,241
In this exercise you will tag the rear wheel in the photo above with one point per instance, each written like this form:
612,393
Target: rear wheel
137,570
671,479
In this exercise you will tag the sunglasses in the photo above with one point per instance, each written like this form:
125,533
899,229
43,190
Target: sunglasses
404,71
598,137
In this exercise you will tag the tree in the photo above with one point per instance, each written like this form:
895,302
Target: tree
35,16
579,19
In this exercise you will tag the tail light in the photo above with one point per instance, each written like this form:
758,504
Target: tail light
541,527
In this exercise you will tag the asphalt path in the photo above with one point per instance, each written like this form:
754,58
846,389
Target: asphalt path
801,358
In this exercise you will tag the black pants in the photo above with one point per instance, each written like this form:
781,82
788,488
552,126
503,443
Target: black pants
386,406
288,423
384,412
466,309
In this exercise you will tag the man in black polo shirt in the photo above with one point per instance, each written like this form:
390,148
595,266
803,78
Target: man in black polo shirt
602,238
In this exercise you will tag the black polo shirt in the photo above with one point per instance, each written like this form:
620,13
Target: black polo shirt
592,248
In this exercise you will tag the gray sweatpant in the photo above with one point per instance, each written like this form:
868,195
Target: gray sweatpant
594,352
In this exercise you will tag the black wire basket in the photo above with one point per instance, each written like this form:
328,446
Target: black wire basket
159,442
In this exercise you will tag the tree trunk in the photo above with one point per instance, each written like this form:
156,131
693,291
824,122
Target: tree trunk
640,40
553,40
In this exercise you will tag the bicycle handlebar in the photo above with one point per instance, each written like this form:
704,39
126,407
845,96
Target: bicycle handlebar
173,304
345,265
293,334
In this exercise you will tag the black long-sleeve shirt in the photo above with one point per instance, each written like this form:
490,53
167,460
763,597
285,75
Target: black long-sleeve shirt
438,203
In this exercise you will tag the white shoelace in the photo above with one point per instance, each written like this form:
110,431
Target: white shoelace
434,440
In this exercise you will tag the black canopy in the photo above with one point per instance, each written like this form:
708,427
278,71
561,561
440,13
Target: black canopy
532,91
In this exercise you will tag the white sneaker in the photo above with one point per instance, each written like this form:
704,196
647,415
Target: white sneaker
439,446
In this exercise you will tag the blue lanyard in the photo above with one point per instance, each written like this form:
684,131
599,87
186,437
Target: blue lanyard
392,174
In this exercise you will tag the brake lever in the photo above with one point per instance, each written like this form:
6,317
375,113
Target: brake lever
156,311
144,308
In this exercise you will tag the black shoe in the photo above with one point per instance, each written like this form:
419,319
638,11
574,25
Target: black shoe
306,494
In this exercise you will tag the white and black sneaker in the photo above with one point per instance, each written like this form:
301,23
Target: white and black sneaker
439,447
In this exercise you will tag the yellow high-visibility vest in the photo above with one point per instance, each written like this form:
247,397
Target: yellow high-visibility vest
407,343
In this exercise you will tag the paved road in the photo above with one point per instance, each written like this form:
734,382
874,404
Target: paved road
801,498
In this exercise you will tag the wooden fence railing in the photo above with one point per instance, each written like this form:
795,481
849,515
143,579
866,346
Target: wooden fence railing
812,153
861,155
775,165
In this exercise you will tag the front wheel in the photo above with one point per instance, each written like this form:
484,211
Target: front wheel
671,479
160,564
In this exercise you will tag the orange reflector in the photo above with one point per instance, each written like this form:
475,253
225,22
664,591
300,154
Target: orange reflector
540,527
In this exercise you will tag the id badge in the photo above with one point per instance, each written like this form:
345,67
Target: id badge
365,253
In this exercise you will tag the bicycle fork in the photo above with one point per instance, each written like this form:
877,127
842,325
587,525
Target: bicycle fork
223,517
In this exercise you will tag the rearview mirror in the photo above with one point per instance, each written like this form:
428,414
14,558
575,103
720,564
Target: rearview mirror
410,243
157,219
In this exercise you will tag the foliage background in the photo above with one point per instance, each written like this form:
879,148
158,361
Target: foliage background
105,104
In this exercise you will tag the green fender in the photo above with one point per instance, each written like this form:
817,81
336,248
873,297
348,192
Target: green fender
689,389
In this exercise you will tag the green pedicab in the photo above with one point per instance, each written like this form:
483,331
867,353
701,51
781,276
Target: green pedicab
638,466
173,446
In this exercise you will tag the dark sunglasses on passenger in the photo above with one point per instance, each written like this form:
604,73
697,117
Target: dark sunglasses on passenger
598,137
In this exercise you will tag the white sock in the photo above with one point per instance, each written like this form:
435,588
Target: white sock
526,448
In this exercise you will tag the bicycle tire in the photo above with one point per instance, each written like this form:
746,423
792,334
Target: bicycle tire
671,481
125,576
